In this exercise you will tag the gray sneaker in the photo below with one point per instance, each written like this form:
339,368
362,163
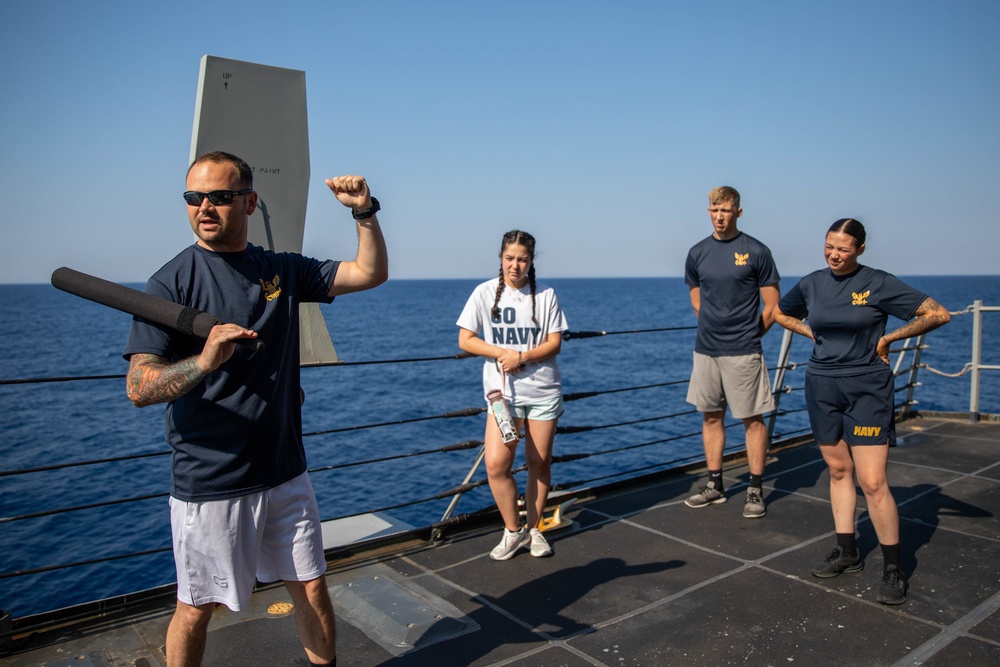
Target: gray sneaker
754,508
511,542
539,545
708,495
836,563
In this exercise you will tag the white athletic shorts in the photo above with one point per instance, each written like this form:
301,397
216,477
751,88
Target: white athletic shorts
222,546
740,382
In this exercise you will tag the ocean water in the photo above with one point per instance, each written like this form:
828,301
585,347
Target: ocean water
48,334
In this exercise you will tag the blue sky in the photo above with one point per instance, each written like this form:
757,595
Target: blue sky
597,126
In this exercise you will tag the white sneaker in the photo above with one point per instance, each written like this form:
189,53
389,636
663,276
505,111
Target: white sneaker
539,545
511,542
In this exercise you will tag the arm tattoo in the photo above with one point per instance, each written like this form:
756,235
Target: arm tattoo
930,315
152,380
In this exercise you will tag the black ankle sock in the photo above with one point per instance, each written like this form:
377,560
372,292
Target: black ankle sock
756,481
890,555
847,543
715,479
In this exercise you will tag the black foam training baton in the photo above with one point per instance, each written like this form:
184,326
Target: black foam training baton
190,321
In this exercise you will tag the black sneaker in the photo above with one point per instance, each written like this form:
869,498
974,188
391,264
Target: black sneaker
837,562
893,589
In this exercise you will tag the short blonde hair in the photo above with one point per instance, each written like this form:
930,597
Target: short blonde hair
724,193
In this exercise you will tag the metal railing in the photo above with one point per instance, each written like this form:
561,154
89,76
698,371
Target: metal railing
782,393
976,365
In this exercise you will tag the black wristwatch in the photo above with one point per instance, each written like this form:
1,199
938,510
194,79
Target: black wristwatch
367,212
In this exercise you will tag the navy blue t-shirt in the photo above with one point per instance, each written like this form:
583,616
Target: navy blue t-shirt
729,275
240,430
847,315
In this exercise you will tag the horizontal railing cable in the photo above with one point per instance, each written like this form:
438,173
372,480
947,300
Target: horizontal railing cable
467,412
92,561
589,394
581,429
468,444
571,335
76,464
375,362
472,412
76,508
69,378
122,376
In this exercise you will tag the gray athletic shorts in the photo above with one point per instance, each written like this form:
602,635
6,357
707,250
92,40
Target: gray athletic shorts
739,382
222,546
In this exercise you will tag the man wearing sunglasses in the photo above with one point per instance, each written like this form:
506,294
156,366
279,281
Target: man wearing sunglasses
241,504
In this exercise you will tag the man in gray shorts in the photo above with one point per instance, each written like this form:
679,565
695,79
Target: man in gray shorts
729,274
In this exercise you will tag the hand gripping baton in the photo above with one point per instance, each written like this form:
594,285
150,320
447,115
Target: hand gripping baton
190,321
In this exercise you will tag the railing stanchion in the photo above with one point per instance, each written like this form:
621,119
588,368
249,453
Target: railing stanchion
458,496
977,358
911,382
779,381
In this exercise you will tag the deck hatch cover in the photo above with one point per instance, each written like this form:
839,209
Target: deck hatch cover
397,614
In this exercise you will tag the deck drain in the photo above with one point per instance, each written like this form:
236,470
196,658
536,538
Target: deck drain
280,608
397,614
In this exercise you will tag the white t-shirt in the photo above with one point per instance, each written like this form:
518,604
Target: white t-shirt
516,330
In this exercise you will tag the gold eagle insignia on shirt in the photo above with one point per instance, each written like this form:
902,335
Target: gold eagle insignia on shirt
860,299
741,260
271,289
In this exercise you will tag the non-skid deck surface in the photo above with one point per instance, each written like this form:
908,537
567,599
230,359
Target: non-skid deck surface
641,579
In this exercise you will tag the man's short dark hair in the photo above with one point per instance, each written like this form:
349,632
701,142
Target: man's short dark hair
245,172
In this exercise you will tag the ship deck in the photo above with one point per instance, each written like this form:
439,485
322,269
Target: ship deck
641,579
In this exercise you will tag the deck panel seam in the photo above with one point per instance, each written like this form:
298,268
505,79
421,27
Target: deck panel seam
952,632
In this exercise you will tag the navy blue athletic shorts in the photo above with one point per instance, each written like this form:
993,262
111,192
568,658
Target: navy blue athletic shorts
856,408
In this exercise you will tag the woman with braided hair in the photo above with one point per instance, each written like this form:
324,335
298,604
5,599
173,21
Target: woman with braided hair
522,326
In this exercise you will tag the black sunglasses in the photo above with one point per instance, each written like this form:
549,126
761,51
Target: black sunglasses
217,197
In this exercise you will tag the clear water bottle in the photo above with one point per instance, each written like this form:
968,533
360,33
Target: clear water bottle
498,406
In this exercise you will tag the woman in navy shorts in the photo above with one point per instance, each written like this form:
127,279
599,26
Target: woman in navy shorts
849,388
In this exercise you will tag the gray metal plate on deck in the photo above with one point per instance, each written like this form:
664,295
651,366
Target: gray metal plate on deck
396,613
